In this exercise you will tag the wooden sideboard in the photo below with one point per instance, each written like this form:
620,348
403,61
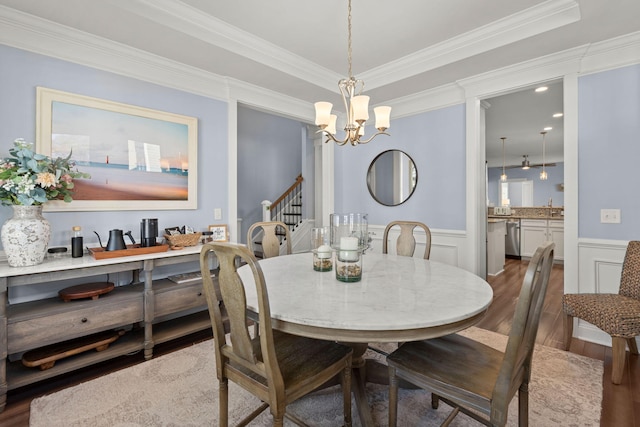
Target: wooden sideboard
152,311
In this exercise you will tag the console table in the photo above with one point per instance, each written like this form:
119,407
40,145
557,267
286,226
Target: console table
155,310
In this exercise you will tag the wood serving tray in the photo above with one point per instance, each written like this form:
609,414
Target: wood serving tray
100,253
86,290
45,357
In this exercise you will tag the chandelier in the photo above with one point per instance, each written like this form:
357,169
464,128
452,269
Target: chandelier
356,105
543,173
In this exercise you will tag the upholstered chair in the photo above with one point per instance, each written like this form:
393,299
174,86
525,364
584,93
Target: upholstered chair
616,314
276,367
473,378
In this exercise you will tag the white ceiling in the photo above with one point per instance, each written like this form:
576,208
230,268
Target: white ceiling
299,47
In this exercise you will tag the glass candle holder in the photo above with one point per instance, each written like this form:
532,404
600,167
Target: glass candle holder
323,259
349,265
322,252
349,225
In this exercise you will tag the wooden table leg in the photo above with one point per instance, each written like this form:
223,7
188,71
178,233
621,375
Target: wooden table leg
358,377
364,371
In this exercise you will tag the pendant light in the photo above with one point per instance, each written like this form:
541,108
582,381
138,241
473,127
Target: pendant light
503,177
543,173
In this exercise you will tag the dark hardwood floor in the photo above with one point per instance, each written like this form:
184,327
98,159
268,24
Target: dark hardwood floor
620,405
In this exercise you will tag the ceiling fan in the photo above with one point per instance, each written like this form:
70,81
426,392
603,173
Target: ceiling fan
526,164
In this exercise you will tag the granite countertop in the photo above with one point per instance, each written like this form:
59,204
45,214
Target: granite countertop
558,217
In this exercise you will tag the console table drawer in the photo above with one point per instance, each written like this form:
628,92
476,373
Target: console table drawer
178,298
47,329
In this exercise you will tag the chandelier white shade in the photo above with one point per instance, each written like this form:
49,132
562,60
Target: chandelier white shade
543,173
356,106
503,177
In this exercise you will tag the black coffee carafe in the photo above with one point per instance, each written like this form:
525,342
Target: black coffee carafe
116,241
148,232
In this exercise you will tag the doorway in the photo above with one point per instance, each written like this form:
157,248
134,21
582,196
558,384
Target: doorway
516,147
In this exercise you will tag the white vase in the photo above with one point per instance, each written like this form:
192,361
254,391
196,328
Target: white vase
25,236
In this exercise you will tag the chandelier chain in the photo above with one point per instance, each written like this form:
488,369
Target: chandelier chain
349,39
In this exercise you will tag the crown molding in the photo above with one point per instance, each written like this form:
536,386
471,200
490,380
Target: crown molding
188,20
596,57
270,101
535,20
24,31
524,73
428,100
613,53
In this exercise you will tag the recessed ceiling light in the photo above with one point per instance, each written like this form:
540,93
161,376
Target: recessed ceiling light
556,115
548,128
541,89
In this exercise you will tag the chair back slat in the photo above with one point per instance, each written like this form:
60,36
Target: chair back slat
630,278
519,351
255,354
270,241
406,242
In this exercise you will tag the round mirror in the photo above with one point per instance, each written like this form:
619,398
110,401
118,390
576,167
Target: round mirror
392,177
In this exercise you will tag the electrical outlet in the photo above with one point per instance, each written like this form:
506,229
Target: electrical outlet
610,216
217,213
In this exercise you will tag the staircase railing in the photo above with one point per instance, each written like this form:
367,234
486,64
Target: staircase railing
288,207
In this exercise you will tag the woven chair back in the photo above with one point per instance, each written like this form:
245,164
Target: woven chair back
630,279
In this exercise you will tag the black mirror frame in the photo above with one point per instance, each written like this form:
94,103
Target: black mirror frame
369,178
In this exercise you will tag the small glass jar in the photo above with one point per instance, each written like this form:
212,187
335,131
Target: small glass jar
207,237
323,258
322,252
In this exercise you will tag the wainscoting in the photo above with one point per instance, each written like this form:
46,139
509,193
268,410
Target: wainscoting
445,244
599,269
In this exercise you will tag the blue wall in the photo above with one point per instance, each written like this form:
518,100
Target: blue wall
269,160
542,190
609,151
21,72
436,142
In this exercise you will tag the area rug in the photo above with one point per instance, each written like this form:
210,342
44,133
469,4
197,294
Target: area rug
180,389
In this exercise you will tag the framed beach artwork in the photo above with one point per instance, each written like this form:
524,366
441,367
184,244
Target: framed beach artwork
220,233
138,158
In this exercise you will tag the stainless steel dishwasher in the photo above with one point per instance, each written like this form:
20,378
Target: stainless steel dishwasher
512,239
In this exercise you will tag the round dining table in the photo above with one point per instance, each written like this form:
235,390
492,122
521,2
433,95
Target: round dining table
398,299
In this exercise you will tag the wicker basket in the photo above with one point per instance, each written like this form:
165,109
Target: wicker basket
182,240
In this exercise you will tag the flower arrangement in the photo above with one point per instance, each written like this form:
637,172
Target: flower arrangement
28,178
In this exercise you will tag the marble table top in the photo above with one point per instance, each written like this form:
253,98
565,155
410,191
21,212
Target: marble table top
397,296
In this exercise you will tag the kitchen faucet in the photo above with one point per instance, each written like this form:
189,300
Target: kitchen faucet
550,202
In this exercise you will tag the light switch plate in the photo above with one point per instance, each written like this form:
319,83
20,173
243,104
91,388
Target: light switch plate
217,213
610,216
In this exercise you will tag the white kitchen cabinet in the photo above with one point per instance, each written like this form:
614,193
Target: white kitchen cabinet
556,235
534,232
496,232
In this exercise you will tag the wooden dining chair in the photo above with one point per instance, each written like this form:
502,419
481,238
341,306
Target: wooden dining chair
472,377
406,242
270,242
405,246
616,314
276,367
